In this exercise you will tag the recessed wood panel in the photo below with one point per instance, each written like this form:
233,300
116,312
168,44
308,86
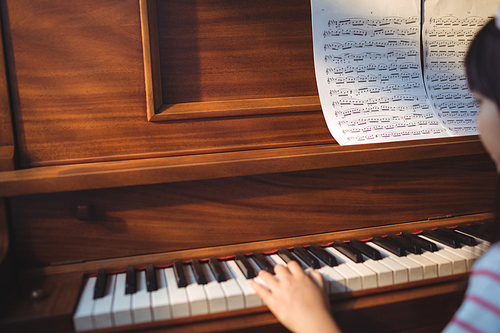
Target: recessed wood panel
220,57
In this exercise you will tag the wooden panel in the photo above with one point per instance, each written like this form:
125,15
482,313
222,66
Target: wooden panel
233,49
228,58
206,213
229,164
78,81
49,313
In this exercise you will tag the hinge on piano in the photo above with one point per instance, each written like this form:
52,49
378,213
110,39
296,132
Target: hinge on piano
439,217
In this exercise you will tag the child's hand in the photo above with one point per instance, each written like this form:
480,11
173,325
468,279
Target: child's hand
298,299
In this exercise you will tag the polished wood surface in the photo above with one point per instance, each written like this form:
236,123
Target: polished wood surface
182,215
231,58
212,165
82,72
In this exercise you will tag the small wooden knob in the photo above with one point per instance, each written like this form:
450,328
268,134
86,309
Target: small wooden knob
38,294
83,212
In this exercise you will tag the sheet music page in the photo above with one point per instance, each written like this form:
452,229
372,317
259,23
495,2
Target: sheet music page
367,63
449,27
368,68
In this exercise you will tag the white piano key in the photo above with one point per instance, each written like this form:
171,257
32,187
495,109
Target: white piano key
353,280
444,266
103,306
463,252
250,296
178,297
429,268
215,295
481,246
196,293
335,283
257,269
475,250
414,272
384,274
141,300
122,303
82,319
232,291
399,272
369,277
459,263
277,259
160,302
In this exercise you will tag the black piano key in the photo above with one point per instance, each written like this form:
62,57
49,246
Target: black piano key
484,227
440,237
406,244
303,254
244,265
219,274
284,254
180,277
323,255
151,282
262,262
365,249
287,256
198,272
348,251
474,232
423,243
130,280
100,284
464,239
390,245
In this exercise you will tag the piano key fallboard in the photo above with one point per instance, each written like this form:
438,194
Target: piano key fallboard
216,285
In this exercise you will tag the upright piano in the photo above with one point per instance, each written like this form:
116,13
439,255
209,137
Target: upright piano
155,136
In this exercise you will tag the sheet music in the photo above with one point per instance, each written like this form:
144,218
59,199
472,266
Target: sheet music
449,27
369,75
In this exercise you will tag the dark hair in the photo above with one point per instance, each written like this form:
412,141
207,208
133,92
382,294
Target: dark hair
482,62
482,66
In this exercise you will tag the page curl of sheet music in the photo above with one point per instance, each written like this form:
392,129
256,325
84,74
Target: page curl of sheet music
369,74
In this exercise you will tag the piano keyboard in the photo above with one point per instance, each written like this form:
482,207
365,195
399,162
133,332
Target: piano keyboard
217,285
